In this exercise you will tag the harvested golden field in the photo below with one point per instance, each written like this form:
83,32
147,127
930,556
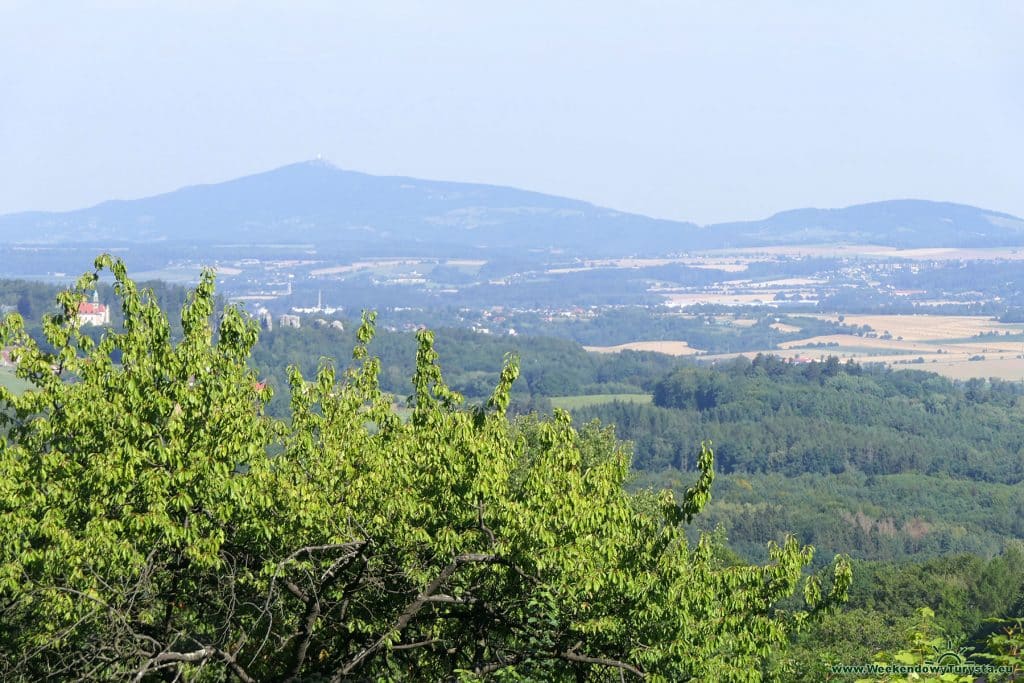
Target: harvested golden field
849,345
955,365
930,327
945,344
1010,369
671,348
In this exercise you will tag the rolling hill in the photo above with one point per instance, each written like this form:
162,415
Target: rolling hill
315,202
904,223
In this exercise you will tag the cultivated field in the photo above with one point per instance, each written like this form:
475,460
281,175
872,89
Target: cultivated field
671,348
1011,369
379,265
931,327
945,344
955,364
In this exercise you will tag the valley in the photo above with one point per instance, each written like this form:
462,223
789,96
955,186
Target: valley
865,397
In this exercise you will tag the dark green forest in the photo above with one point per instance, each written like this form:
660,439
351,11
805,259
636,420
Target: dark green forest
550,366
883,464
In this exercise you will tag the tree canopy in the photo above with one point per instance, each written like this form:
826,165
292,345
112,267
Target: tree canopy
156,523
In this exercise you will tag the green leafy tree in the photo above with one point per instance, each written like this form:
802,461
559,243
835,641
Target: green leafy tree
156,524
927,647
1005,649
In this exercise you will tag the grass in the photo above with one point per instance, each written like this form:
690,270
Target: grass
584,401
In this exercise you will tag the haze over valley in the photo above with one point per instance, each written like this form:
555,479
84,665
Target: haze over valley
490,342
315,240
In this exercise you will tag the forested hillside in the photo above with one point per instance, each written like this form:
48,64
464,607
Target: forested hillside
550,367
769,415
884,464
917,476
156,523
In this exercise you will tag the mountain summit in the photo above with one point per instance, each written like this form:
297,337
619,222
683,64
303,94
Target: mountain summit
315,202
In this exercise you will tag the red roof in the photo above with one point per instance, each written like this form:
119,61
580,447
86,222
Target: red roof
88,307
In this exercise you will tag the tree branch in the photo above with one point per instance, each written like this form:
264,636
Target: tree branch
411,610
304,635
203,654
573,656
410,646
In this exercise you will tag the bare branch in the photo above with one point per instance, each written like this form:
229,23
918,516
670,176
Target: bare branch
304,635
235,667
412,610
352,546
164,658
573,656
410,646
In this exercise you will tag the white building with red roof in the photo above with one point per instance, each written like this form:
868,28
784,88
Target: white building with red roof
93,312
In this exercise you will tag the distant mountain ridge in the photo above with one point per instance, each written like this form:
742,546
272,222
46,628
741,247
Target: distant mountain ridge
315,202
904,223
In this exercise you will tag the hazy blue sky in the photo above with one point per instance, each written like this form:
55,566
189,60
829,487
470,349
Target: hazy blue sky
704,111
